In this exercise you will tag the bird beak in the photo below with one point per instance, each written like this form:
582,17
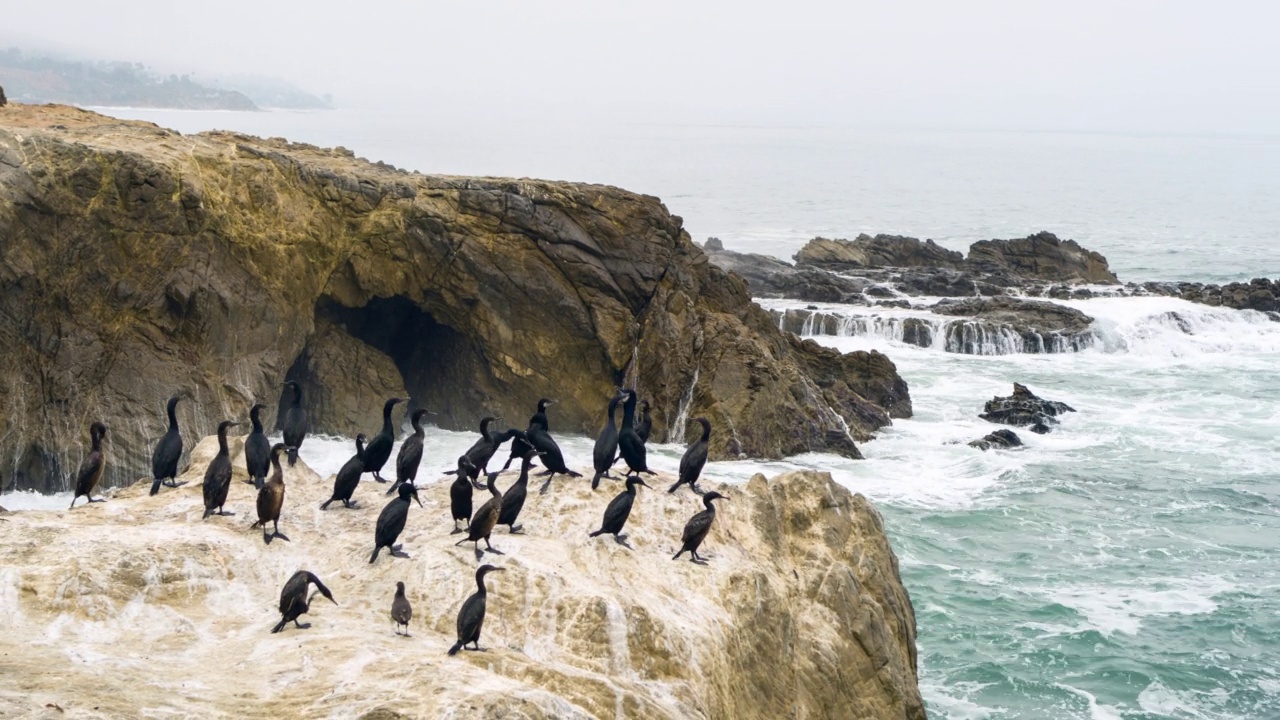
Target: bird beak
551,402
234,425
415,497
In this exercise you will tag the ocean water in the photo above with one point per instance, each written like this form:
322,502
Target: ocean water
1123,566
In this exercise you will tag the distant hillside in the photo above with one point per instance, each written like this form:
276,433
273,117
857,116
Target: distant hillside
31,78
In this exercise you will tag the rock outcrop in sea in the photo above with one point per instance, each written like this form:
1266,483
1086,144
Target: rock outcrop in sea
138,262
998,439
1024,408
800,612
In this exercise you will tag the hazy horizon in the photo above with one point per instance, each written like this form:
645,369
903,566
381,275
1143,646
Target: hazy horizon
1094,66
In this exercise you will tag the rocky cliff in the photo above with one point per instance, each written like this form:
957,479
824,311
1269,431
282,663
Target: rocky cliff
136,262
800,612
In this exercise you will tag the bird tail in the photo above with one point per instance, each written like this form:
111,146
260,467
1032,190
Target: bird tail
677,555
207,512
595,480
155,486
258,482
293,456
675,487
456,647
573,474
325,504
598,532
374,556
280,625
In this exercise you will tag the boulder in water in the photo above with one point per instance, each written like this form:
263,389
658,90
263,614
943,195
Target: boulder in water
999,439
1043,257
1024,408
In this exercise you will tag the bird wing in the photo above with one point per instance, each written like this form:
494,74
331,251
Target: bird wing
409,457
164,460
697,525
88,473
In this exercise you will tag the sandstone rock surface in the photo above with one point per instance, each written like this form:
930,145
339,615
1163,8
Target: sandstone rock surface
1041,256
880,251
137,262
800,612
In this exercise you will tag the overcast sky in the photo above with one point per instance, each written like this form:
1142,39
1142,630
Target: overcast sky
1094,64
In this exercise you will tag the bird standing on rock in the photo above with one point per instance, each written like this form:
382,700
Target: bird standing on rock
483,522
217,477
513,499
695,531
401,610
294,602
294,426
479,454
644,424
164,459
522,444
471,615
391,522
605,452
410,456
92,466
629,443
694,459
271,498
257,449
348,478
460,493
615,516
379,450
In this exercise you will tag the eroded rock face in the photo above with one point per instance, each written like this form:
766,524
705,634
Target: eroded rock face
769,277
880,251
1041,256
1042,326
1261,294
799,569
999,439
138,262
1025,408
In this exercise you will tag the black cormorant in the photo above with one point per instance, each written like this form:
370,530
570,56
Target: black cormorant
460,495
391,522
485,519
91,467
513,498
694,458
644,424
217,477
257,449
483,449
294,426
294,601
522,445
401,610
345,482
164,459
629,443
605,453
695,531
271,498
615,516
410,452
471,616
552,458
379,450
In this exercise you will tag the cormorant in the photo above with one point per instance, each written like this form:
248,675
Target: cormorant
522,445
410,452
391,522
485,519
294,426
471,616
257,449
605,453
271,498
401,610
345,482
379,450
217,477
615,516
91,467
460,495
695,531
644,425
483,449
629,443
294,601
513,498
694,459
164,459
552,458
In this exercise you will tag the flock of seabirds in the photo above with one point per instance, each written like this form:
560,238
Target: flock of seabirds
625,443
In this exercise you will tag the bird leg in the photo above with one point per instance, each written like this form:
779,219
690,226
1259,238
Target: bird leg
350,504
545,487
696,558
457,530
488,547
378,477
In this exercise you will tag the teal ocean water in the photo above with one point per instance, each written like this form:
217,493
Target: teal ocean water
1124,566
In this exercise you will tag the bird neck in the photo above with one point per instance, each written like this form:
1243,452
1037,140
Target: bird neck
480,585
222,441
96,438
297,396
707,501
629,412
418,432
173,415
706,433
277,474
359,448
257,422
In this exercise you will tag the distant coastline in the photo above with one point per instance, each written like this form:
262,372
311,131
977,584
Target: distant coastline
34,79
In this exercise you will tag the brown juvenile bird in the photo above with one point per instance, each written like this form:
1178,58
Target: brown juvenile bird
91,468
401,611
485,519
271,498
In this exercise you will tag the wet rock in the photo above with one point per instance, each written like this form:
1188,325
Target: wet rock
1041,256
209,263
1261,294
798,566
713,244
1024,408
1039,326
1000,439
769,277
880,251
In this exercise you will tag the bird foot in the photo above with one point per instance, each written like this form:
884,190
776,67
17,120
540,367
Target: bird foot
479,554
545,487
226,513
281,535
302,626
174,483
517,529
353,505
456,531
396,552
375,477
544,473
97,500
495,551
698,561
698,490
478,486
266,538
